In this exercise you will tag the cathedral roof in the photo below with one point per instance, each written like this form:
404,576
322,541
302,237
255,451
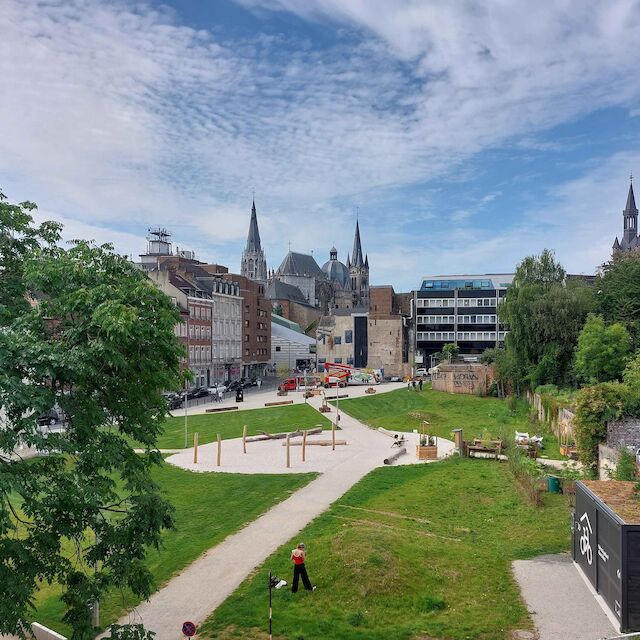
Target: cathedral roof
631,202
356,257
300,264
335,270
278,290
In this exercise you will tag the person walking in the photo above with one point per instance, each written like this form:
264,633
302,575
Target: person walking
420,384
298,556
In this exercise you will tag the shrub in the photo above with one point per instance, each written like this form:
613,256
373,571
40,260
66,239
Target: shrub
595,406
626,467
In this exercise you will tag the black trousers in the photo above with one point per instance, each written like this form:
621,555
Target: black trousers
300,571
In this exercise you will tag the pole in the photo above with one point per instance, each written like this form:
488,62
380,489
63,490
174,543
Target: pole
304,444
270,607
244,439
288,451
333,437
195,448
219,448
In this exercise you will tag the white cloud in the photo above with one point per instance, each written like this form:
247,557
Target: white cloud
116,116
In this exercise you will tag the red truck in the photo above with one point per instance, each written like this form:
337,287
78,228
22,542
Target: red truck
293,384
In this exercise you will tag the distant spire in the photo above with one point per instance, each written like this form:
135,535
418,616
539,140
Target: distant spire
631,201
357,248
253,239
348,261
366,261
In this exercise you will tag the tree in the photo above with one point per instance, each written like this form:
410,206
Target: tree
631,378
544,313
450,351
618,292
81,328
602,351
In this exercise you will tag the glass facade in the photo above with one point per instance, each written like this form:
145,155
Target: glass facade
450,285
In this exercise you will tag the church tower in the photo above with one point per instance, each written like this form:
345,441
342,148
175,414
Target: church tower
358,267
254,264
630,239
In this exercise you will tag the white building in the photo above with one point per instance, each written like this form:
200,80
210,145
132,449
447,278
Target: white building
290,346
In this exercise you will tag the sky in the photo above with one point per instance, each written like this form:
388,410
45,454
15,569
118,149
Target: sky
464,135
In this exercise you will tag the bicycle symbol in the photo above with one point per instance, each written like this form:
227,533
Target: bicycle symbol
585,538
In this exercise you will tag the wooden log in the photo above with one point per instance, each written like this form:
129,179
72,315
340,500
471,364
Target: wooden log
304,444
216,409
346,395
395,456
219,448
386,432
276,404
320,443
281,436
195,448
244,439
288,444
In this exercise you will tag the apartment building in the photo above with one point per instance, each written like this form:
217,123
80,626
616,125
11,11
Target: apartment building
459,309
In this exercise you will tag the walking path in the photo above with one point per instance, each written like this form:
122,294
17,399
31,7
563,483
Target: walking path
207,582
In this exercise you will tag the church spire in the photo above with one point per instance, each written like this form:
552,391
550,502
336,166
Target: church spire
356,257
631,208
253,239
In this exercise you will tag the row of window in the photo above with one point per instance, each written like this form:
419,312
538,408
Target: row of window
464,336
451,302
473,319
349,360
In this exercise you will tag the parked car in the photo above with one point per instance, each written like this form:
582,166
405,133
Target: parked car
196,392
215,388
174,400
421,371
49,418
234,384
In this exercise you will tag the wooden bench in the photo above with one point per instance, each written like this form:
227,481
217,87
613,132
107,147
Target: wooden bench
277,404
477,446
216,409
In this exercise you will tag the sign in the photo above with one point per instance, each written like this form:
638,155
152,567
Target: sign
189,629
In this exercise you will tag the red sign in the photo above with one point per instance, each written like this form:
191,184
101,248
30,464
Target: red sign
189,629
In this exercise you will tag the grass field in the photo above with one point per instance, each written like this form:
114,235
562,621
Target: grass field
404,410
209,506
409,553
229,424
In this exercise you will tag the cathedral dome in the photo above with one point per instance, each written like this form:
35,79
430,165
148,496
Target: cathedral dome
335,270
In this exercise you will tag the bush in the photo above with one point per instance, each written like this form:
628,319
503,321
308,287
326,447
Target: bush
595,406
626,467
526,471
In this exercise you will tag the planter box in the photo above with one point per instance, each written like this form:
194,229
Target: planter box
429,452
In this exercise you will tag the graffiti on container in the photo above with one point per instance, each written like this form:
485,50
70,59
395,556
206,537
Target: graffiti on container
464,379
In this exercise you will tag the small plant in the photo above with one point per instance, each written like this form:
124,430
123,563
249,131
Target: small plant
626,468
430,603
356,619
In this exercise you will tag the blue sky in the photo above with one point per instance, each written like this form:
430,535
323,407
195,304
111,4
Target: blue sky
468,135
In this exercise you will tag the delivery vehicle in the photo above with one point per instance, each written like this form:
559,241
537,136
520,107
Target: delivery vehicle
296,383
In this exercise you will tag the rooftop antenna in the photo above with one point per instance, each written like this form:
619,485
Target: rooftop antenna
289,245
631,177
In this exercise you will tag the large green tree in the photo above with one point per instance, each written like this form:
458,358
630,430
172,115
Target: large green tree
83,329
544,312
602,351
618,292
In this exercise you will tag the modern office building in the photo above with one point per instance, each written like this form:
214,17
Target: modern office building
459,309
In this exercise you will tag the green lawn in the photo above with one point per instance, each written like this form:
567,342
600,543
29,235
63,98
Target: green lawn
209,506
409,553
404,410
229,424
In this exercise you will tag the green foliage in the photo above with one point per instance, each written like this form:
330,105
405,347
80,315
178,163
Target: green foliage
595,406
618,288
602,351
282,371
631,378
626,467
130,632
544,315
450,351
99,343
526,471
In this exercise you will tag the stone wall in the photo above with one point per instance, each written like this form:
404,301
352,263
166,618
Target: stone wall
624,433
385,346
462,378
607,461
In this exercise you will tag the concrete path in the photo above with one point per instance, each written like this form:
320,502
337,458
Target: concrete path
207,582
561,604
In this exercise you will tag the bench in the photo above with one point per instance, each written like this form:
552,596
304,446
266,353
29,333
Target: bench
494,448
215,409
277,404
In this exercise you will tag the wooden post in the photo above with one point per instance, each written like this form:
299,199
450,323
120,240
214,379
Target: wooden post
304,444
219,448
244,439
288,452
333,436
195,448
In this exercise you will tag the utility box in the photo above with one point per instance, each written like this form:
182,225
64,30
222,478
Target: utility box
606,545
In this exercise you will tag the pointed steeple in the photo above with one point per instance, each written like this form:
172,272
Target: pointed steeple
357,260
366,261
348,262
253,239
631,208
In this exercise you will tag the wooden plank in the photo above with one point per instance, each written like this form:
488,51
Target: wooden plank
320,443
216,409
244,439
282,435
219,448
278,403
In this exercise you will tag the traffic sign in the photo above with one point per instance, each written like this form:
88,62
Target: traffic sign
189,629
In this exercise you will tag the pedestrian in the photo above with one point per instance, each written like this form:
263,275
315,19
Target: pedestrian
409,384
259,382
420,384
298,555
220,395
414,385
